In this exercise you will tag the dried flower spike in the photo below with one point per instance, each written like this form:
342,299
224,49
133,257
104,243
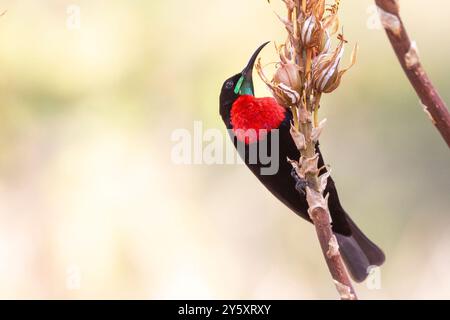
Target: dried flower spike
309,68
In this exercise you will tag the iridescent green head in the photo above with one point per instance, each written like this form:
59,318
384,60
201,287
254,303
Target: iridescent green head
238,85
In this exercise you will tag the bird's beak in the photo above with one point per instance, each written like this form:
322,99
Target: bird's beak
245,85
247,72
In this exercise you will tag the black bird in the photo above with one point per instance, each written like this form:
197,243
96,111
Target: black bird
242,111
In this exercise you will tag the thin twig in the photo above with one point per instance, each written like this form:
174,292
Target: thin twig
406,52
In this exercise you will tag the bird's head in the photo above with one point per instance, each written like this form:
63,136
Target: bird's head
238,85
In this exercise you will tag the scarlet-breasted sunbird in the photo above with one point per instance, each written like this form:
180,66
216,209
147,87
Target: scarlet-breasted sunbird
251,122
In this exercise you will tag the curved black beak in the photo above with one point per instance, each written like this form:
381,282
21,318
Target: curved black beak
245,85
247,72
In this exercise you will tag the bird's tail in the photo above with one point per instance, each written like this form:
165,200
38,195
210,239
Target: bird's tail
359,253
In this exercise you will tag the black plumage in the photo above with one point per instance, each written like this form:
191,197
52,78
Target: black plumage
359,253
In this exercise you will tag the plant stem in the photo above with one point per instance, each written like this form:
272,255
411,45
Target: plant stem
319,212
305,113
332,257
308,23
316,109
406,53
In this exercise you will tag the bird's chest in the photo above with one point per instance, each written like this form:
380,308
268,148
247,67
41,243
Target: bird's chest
253,118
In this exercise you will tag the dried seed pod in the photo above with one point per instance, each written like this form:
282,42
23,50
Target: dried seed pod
326,76
282,92
289,75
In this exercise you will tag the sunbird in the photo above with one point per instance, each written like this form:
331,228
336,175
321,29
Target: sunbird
242,112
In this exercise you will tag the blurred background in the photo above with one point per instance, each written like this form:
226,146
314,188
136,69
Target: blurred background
91,205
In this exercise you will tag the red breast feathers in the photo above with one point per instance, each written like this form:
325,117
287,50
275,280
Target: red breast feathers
252,118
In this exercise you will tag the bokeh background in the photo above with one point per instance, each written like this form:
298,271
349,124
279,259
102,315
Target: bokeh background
91,205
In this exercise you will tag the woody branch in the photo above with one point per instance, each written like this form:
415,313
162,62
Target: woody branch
407,55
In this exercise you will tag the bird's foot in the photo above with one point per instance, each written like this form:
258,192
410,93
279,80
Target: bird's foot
300,183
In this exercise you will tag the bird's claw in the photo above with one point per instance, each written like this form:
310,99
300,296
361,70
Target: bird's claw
300,183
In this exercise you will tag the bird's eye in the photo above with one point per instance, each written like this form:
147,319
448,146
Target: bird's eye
229,84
